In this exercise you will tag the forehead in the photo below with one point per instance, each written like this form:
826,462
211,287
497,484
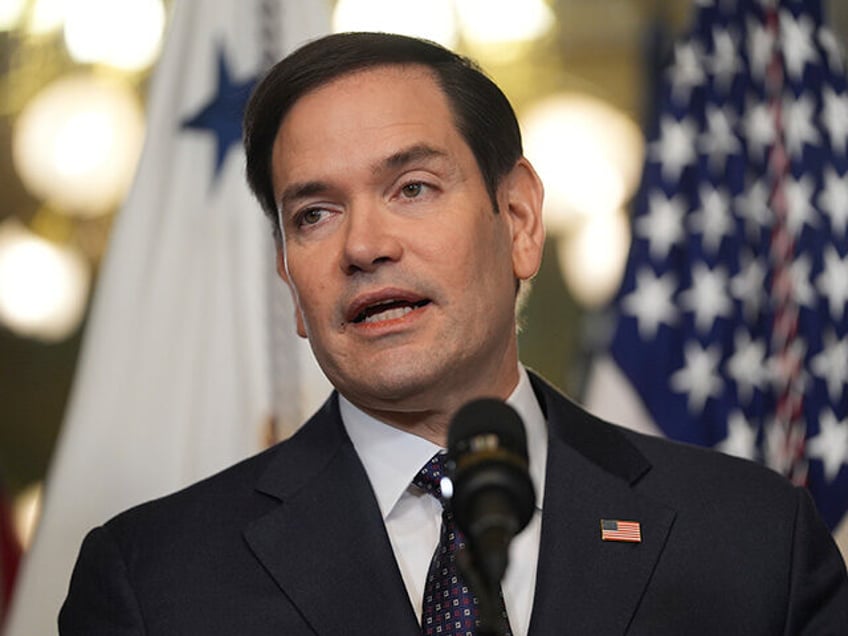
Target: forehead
363,113
402,81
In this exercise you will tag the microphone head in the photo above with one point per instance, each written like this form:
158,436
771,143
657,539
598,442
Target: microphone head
487,422
487,453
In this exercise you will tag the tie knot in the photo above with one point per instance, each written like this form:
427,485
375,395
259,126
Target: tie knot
429,478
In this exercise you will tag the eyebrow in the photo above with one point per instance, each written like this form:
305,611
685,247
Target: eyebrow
395,161
300,191
409,155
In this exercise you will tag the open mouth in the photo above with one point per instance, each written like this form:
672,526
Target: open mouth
388,310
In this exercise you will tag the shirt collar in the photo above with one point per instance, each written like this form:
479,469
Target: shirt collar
392,457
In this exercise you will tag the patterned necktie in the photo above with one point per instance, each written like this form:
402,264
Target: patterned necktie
449,608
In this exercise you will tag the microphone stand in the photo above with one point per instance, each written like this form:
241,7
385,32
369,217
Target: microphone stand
487,590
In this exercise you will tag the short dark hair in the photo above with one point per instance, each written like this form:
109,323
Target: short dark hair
482,113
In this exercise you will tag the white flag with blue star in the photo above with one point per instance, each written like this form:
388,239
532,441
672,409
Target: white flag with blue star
190,354
732,319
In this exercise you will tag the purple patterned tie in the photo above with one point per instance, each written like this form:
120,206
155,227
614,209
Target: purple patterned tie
449,607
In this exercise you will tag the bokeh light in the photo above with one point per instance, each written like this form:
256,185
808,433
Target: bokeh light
43,286
11,12
46,16
77,143
434,20
587,152
498,21
125,34
593,256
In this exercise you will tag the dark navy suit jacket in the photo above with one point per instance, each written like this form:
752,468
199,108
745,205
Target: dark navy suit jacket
292,541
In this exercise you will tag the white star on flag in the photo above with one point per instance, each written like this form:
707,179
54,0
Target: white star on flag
686,72
753,204
832,50
831,444
675,148
747,286
798,47
799,201
760,129
831,364
663,226
747,365
760,48
707,297
797,124
651,302
741,440
833,199
833,282
835,116
725,62
713,219
698,378
719,141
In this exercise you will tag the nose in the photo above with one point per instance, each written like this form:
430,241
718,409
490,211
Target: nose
370,239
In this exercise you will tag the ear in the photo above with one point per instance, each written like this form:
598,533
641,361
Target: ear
523,193
283,273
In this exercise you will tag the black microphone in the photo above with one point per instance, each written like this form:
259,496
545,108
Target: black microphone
493,497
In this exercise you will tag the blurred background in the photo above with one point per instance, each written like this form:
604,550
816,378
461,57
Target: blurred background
73,89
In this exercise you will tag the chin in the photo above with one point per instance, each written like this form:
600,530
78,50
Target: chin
405,386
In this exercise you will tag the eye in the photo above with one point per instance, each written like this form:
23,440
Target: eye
311,216
412,190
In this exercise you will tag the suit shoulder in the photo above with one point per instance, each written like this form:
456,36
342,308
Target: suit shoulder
669,457
701,482
212,500
677,470
226,500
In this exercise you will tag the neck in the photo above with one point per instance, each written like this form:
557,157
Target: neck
433,423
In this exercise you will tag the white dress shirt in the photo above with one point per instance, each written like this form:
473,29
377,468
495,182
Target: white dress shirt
413,519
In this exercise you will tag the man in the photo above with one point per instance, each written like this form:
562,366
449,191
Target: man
407,221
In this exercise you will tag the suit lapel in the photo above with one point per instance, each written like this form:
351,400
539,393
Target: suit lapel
586,585
325,544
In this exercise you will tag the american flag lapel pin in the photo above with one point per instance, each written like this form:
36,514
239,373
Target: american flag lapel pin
617,530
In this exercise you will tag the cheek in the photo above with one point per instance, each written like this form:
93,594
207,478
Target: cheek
492,247
480,268
309,287
310,291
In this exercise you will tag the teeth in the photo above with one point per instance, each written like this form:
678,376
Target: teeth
389,314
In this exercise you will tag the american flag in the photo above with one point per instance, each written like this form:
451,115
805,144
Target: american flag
626,531
731,322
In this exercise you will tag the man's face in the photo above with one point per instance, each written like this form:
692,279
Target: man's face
402,275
